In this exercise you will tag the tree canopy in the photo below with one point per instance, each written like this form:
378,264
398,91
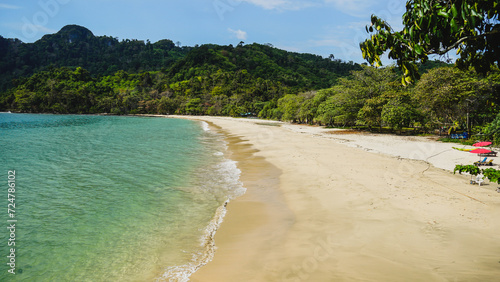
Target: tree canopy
471,27
374,98
76,46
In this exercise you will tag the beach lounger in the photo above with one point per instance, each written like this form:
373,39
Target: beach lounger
478,163
484,162
492,154
479,179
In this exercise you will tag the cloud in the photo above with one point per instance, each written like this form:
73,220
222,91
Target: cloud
283,4
44,29
356,8
9,7
27,32
342,40
17,26
268,4
240,34
328,43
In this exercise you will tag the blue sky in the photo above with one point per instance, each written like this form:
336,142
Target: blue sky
320,27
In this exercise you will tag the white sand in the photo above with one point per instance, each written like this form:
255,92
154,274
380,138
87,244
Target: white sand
319,207
439,154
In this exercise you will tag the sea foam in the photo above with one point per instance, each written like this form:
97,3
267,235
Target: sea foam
183,272
204,126
222,179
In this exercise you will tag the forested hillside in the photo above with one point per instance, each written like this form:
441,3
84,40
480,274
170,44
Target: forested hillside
76,46
294,70
74,71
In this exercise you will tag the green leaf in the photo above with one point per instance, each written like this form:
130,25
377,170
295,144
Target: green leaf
418,49
443,14
454,26
475,14
473,21
454,11
465,10
405,70
408,80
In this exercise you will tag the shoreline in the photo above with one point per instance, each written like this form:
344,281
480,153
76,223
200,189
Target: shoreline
353,214
251,215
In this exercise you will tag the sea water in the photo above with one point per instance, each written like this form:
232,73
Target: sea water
108,198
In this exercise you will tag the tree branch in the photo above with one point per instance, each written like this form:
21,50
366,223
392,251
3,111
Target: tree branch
461,40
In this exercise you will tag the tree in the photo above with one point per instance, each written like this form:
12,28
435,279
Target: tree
399,112
437,27
193,107
493,130
446,95
357,100
290,105
371,112
309,107
167,106
326,112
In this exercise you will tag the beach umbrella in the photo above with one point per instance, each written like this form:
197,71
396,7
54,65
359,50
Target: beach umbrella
482,144
480,151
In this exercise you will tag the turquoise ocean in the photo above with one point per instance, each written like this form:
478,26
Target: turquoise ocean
110,198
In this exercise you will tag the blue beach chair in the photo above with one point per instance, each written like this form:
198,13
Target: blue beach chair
478,163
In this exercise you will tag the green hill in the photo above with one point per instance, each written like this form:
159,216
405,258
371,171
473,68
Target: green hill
76,46
74,71
295,70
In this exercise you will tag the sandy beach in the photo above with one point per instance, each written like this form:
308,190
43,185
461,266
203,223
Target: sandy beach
329,206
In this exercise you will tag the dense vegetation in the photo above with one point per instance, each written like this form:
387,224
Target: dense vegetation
75,46
74,71
252,79
63,90
374,98
471,28
370,97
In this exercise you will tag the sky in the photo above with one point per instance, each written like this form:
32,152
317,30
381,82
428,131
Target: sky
321,27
